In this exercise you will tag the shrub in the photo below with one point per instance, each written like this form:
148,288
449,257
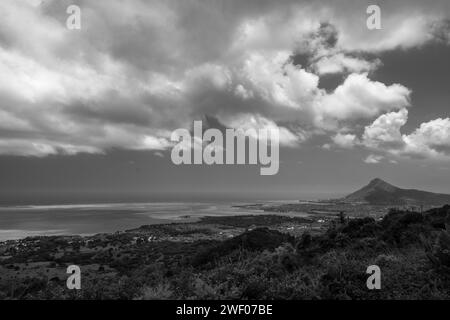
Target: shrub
360,228
286,257
369,245
259,239
255,288
386,260
439,217
439,252
161,291
404,228
305,241
203,290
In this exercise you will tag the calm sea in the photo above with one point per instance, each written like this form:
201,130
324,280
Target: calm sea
84,219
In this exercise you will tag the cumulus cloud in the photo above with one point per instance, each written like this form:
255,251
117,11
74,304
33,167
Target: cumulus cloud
359,97
347,141
430,141
139,69
385,131
373,159
340,63
286,136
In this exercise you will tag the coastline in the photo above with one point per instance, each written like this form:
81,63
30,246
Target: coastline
89,219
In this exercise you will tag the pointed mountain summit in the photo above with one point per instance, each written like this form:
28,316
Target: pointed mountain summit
380,192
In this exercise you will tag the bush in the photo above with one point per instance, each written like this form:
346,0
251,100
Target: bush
256,288
203,290
439,217
369,245
386,260
360,228
404,228
439,252
161,291
344,277
287,257
259,239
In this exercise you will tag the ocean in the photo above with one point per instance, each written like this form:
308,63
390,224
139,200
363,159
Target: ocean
85,219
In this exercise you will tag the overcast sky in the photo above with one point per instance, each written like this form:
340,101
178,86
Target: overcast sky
90,112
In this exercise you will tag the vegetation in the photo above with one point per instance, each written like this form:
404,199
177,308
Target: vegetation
412,250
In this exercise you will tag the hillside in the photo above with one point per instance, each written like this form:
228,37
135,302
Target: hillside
382,193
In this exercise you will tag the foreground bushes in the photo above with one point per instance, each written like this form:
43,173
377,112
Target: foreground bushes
333,266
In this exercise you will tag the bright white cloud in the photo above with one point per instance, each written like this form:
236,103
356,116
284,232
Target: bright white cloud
405,30
373,159
430,141
385,130
341,63
346,141
278,81
286,136
359,97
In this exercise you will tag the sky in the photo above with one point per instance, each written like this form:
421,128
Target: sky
87,114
